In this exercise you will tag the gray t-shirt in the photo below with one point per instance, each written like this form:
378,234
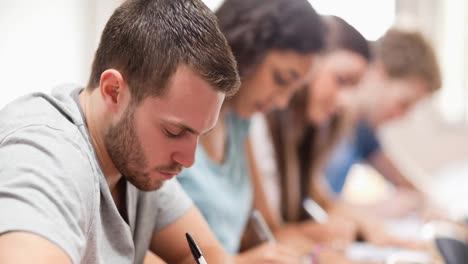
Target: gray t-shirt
51,185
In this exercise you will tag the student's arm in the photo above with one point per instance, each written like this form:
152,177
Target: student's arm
25,248
151,258
171,245
43,197
385,166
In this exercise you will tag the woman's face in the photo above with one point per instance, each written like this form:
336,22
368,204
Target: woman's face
335,76
272,83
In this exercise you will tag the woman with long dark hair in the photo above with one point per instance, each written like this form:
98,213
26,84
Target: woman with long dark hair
274,42
300,136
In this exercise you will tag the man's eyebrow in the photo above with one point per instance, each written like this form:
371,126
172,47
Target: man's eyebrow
186,127
181,126
193,131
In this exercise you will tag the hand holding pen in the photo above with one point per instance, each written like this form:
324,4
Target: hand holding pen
263,231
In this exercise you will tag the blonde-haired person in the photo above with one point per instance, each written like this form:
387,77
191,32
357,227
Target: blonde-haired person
406,71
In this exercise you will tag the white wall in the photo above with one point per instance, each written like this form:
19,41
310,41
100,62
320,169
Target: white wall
371,18
213,4
357,12
46,43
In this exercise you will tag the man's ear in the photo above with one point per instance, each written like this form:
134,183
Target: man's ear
113,90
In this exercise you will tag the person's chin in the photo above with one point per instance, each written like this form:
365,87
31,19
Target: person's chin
150,184
156,185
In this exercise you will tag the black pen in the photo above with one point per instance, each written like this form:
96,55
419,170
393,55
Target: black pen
196,252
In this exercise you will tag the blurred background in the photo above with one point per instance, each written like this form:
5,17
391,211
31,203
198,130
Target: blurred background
46,43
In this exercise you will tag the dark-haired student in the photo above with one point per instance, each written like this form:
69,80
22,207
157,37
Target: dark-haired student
274,42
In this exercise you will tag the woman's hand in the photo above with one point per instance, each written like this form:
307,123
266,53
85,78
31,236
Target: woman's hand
271,253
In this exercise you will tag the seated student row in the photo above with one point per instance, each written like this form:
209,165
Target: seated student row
84,146
226,194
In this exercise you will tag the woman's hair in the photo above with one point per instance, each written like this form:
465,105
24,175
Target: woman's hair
301,147
255,27
342,36
300,150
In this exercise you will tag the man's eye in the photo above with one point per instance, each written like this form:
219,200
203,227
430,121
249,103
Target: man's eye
170,134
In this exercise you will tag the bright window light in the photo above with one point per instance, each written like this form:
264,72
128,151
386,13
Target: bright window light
213,4
453,96
371,18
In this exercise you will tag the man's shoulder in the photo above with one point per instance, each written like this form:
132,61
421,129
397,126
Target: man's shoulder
36,121
36,136
62,153
50,186
35,109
